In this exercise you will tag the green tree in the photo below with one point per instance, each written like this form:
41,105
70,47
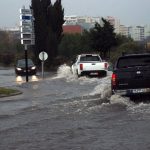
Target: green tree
55,22
48,22
70,45
5,44
120,39
39,8
102,37
73,44
85,42
125,47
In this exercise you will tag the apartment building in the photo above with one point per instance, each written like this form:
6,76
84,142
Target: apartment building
86,22
115,22
137,33
81,19
147,31
70,20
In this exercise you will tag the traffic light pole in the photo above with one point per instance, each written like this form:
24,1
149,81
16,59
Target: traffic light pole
26,62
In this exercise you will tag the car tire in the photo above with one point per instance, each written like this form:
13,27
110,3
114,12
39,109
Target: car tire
78,75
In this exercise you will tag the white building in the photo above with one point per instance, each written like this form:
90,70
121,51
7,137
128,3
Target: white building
70,20
81,19
147,31
86,22
90,21
124,30
115,22
137,33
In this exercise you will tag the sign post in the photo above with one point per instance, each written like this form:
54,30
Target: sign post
27,32
43,56
26,61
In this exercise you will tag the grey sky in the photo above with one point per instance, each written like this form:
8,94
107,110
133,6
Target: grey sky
130,12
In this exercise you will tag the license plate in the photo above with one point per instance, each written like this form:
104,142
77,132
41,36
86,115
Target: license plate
140,90
25,70
94,73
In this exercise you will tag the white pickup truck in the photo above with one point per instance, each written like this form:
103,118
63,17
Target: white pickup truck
89,64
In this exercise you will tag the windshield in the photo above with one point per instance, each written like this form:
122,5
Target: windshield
89,58
131,61
21,63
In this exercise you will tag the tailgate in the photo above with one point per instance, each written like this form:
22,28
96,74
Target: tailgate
93,66
133,78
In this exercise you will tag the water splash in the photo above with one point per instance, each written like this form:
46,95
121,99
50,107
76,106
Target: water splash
117,99
64,71
103,88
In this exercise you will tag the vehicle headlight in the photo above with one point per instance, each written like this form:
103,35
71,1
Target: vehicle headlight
33,68
19,69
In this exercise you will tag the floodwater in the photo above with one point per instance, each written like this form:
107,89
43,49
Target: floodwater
63,112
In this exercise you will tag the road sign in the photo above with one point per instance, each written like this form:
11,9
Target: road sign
27,27
43,56
26,36
26,17
25,23
26,30
25,11
26,41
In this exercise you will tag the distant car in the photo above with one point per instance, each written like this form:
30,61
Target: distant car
89,64
131,75
20,68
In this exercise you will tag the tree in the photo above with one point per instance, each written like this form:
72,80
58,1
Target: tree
73,44
120,39
55,22
102,37
48,22
5,42
39,13
70,45
125,47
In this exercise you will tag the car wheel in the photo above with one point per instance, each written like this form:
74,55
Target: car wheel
105,74
78,75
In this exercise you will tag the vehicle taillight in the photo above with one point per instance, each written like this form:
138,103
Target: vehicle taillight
105,65
114,77
81,66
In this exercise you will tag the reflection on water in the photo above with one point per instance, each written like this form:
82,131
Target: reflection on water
21,79
34,78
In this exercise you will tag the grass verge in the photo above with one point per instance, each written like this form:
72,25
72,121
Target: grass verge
8,92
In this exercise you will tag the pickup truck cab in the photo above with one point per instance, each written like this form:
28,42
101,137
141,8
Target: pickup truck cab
89,64
131,75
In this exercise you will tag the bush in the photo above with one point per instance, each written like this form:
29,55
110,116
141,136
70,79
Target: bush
7,59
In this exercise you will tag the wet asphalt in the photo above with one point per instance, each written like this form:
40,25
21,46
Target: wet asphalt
63,112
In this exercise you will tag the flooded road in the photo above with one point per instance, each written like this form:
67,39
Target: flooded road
63,112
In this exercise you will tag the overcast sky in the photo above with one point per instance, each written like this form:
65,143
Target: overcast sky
130,12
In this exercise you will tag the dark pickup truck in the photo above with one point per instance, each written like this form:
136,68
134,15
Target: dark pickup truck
131,75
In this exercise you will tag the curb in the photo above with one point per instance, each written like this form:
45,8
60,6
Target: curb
13,94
